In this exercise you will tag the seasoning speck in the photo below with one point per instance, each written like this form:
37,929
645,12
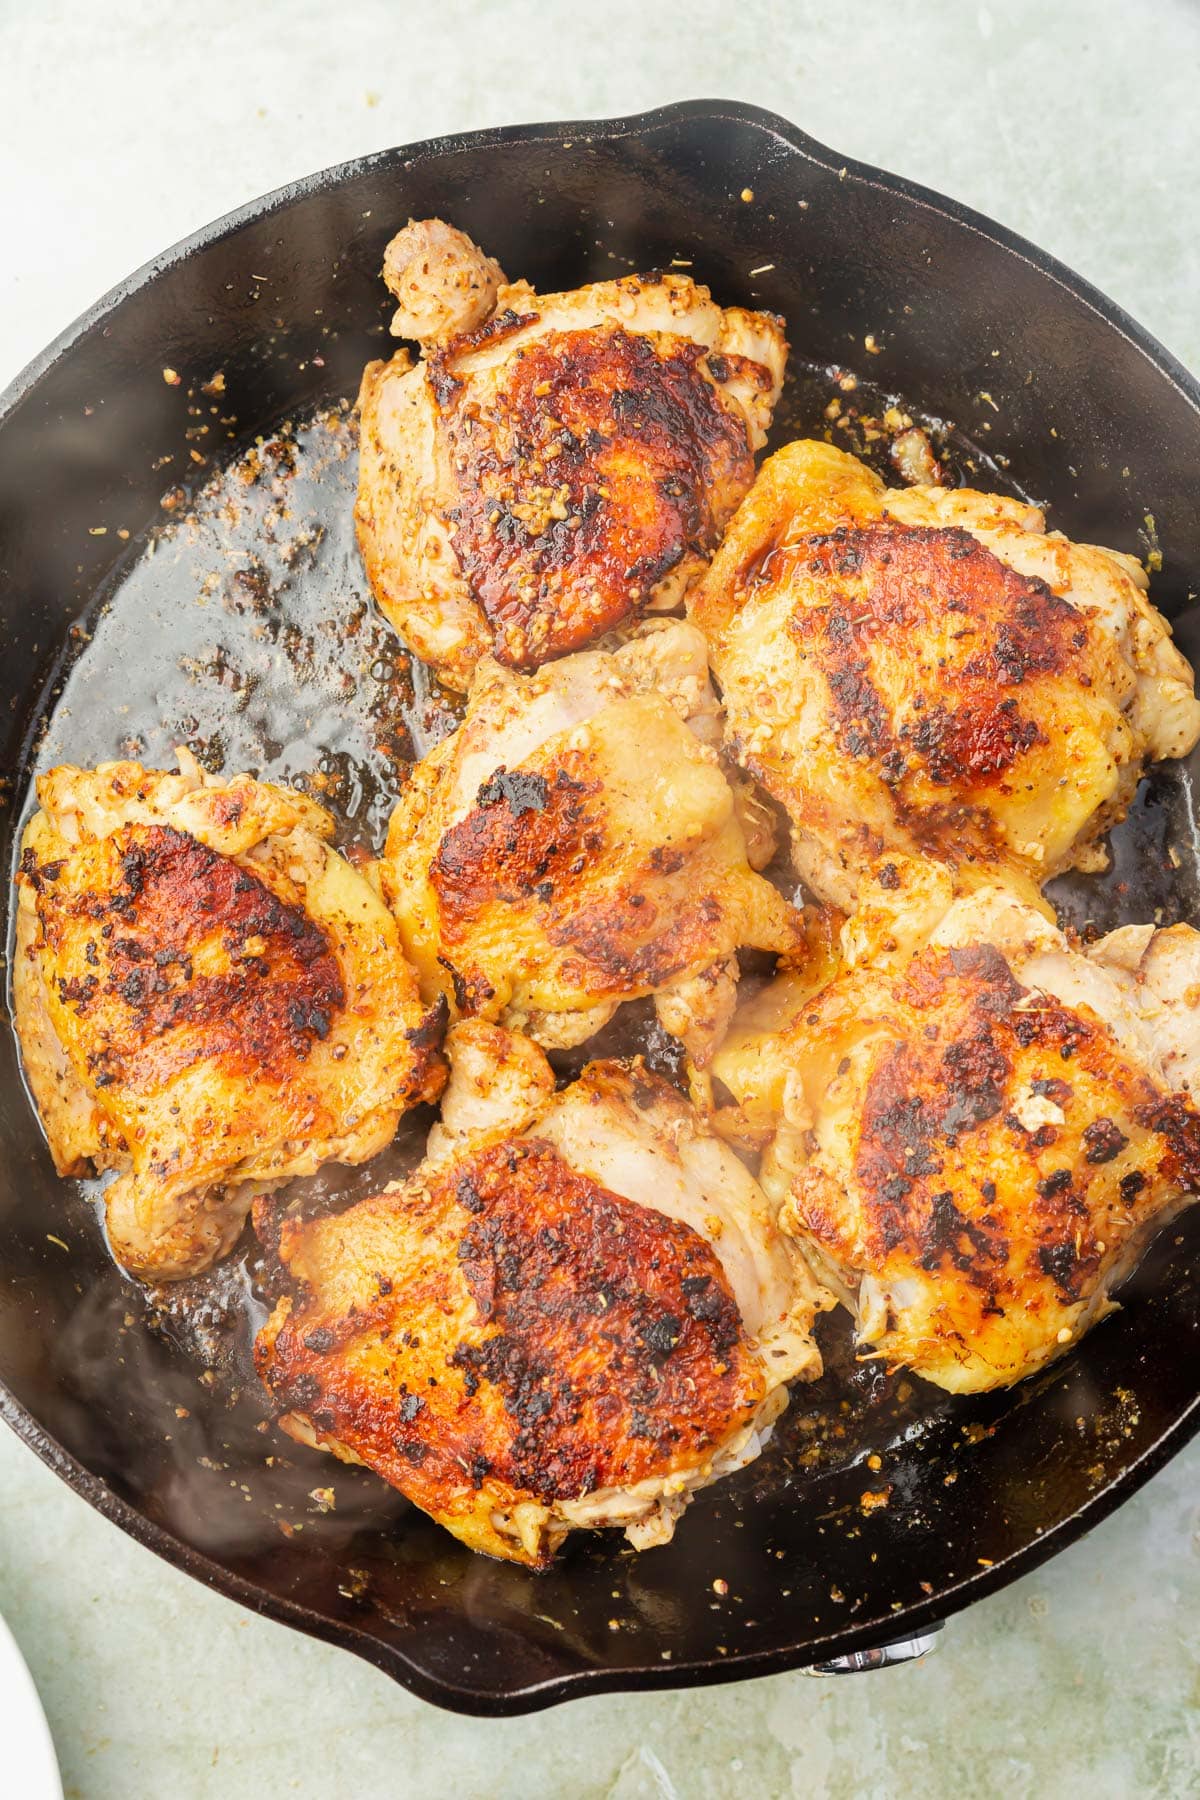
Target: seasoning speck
171,377
720,1587
747,195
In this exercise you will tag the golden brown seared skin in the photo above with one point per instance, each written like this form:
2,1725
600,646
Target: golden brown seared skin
523,1348
930,671
208,998
554,466
556,1352
975,1128
576,843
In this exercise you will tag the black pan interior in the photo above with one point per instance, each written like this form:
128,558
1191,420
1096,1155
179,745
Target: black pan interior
251,637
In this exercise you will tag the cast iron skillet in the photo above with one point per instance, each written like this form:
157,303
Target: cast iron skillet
1085,412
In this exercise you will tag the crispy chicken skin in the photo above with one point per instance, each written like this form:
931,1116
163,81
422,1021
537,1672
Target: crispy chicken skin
577,1311
553,464
931,671
977,1126
576,843
209,999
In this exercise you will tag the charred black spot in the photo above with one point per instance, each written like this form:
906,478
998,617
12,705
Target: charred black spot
1013,656
445,385
661,1333
525,1385
521,793
1103,1140
976,1071
78,990
462,992
905,1129
468,1195
866,730
665,861
167,959
1060,1263
949,1233
302,1391
319,1340
411,1449
1052,1088
703,1301
839,552
304,1017
429,1033
133,869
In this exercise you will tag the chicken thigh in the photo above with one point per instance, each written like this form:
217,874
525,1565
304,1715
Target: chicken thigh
556,463
575,1313
930,671
977,1125
576,843
208,999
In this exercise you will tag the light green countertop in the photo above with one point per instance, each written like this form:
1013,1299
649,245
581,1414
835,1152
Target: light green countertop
1081,1682
123,126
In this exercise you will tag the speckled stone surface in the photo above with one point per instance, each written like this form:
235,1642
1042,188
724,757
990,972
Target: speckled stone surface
122,127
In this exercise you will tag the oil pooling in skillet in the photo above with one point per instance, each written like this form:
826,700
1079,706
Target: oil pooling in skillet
244,629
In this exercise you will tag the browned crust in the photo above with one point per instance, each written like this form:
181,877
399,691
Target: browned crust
522,841
506,1331
544,844
605,459
949,1179
886,582
167,953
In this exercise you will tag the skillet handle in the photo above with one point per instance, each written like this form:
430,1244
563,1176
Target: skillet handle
882,1656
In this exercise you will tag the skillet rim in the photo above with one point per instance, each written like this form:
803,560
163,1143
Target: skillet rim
746,1663
22,385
